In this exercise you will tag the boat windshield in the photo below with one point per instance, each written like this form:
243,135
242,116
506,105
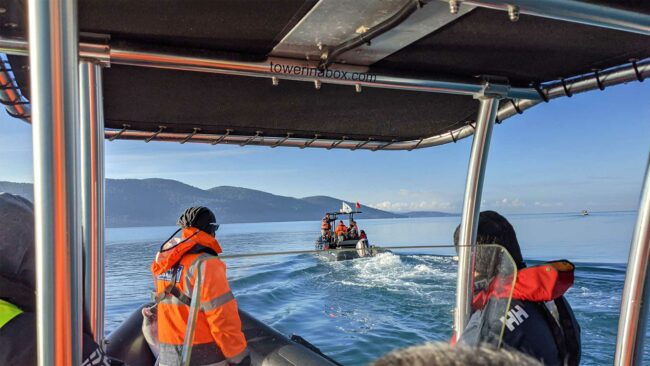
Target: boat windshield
495,274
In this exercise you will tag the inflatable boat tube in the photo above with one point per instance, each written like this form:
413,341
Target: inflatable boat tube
126,343
267,346
343,254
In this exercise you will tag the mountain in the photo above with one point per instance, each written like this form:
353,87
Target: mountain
248,205
154,202
150,202
415,214
22,189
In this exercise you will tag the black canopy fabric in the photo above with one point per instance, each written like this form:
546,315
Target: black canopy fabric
483,42
246,27
533,49
246,105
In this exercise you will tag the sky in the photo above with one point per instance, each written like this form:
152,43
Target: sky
585,152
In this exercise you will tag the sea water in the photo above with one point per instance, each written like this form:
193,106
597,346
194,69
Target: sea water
355,311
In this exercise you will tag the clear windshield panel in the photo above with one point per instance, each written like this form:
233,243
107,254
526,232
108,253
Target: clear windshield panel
495,273
375,298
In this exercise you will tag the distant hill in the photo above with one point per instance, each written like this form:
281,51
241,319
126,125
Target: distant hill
153,202
415,214
150,202
22,189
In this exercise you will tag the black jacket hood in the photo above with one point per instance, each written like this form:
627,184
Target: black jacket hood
17,267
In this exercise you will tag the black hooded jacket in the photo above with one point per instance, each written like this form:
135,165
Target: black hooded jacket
538,321
17,286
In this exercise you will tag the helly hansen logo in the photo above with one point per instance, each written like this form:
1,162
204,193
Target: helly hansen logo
514,317
96,358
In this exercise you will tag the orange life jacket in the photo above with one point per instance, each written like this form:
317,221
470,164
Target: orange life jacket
325,225
218,334
341,229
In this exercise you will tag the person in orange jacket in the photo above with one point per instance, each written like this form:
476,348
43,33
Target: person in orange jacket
218,336
325,226
341,231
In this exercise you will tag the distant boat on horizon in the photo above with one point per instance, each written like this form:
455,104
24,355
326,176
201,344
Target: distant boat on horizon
584,213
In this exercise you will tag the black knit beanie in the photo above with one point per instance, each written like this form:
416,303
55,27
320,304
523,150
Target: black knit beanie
199,217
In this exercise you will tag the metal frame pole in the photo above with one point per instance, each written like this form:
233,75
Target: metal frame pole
53,39
143,56
92,193
636,295
581,12
471,209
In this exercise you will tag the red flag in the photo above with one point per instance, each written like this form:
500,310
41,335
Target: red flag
358,205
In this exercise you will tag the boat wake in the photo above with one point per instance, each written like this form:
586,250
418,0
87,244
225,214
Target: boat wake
413,275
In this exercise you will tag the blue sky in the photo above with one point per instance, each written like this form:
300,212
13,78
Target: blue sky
586,152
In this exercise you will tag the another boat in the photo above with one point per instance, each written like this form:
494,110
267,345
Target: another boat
349,249
584,213
335,248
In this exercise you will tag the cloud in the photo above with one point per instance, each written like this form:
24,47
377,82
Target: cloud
513,203
414,206
516,204
505,203
549,204
417,200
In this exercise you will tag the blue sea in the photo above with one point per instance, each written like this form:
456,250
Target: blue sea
355,311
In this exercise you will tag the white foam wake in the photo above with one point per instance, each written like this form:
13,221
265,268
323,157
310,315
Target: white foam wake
422,275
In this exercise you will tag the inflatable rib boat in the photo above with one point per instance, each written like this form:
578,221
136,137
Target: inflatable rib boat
347,249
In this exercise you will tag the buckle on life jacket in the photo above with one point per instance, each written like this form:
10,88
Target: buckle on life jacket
176,292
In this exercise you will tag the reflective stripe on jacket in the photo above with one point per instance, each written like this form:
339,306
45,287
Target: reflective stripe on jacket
218,335
8,311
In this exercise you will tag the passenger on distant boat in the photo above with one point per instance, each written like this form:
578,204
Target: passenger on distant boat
18,292
218,336
325,227
353,231
341,231
540,321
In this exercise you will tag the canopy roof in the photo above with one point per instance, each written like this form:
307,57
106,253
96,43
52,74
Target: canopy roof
424,43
